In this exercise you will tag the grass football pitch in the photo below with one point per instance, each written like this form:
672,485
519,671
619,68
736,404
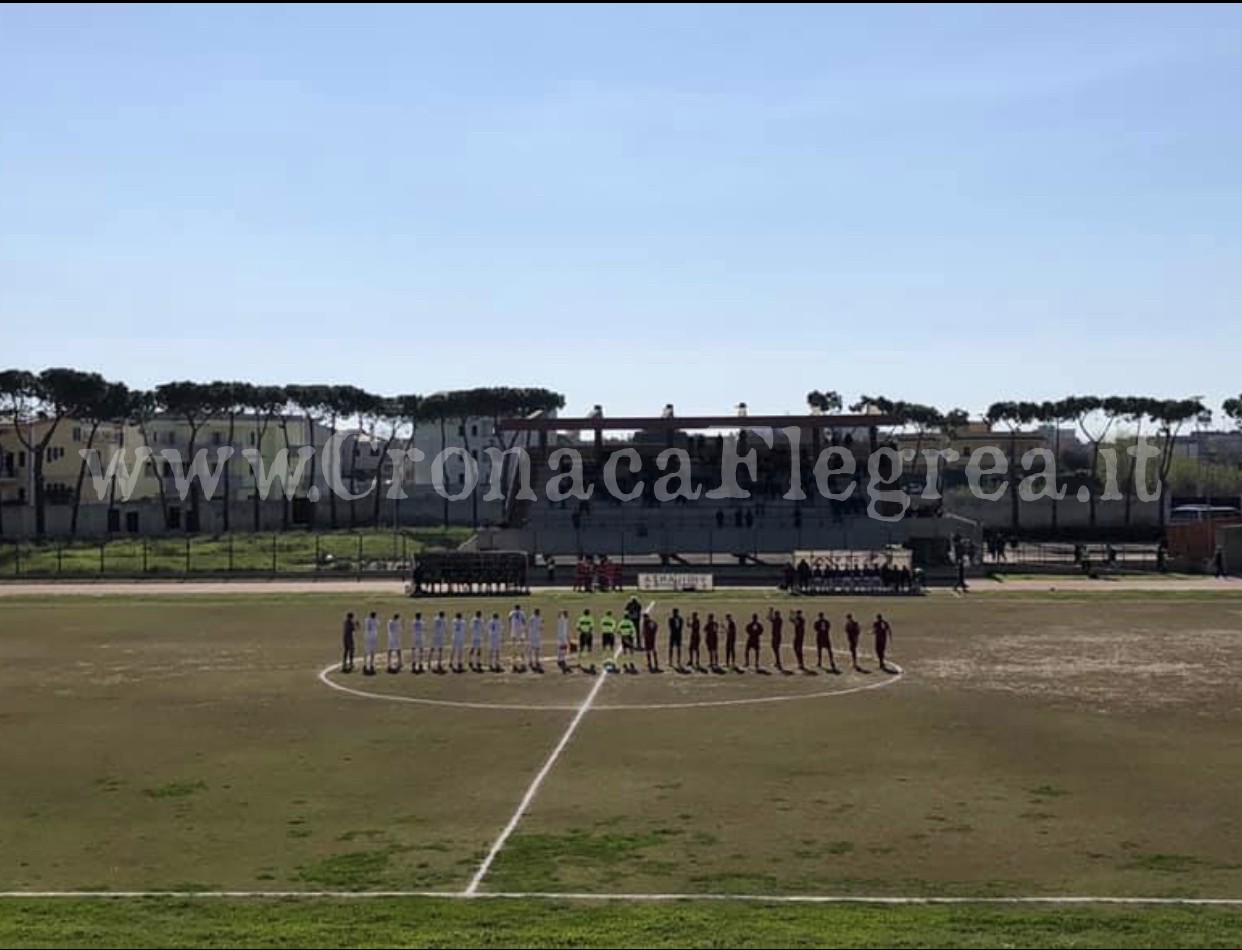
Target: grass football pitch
1035,745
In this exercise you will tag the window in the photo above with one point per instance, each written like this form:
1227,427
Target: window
131,522
253,438
461,430
21,459
474,430
114,520
170,437
474,454
77,433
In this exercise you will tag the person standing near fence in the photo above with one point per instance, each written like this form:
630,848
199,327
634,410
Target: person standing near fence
348,629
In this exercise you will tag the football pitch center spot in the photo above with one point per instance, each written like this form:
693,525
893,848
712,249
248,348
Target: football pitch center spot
877,679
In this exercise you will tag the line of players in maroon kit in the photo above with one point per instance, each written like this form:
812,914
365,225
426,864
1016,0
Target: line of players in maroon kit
709,634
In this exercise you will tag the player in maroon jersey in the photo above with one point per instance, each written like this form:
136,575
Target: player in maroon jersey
883,637
852,632
696,640
799,638
711,634
824,642
776,622
754,633
650,629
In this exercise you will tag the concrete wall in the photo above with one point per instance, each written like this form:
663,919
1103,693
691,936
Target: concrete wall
1071,513
422,507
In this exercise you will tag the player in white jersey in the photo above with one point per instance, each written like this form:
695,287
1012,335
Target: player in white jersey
562,640
534,638
394,644
370,643
494,630
457,662
517,637
438,630
417,643
476,642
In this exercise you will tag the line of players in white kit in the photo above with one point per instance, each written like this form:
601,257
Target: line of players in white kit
429,639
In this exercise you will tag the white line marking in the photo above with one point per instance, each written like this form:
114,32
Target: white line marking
610,707
1054,900
323,678
529,797
877,684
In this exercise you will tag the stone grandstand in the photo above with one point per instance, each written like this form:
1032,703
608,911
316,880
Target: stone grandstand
763,527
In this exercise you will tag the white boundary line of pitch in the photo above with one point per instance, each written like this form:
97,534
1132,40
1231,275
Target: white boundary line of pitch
1054,900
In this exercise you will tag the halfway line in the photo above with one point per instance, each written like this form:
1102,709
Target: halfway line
529,797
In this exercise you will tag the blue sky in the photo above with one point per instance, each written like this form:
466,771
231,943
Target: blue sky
634,206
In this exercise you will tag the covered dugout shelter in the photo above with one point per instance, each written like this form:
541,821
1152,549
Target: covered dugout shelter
468,572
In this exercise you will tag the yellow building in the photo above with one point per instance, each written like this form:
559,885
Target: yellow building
61,458
62,455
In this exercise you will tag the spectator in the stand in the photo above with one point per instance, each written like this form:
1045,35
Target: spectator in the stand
804,576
